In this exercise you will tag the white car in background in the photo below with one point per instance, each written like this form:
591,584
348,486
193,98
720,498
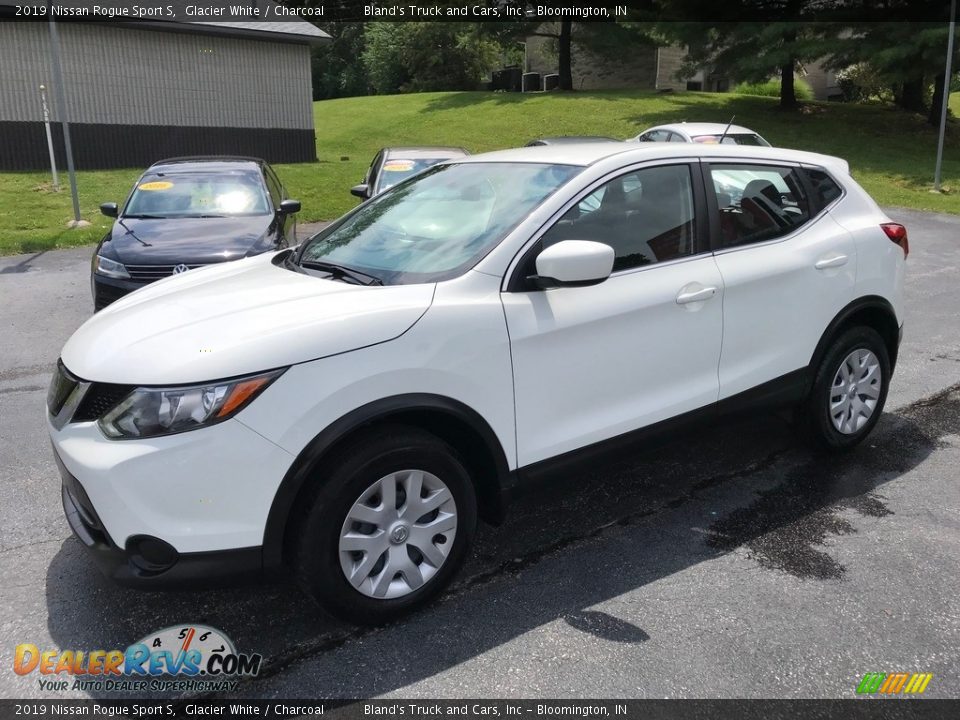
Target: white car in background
701,132
346,410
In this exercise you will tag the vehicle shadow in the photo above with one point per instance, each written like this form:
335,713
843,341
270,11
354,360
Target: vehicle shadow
738,483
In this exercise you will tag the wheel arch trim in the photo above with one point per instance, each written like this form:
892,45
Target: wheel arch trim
384,409
866,303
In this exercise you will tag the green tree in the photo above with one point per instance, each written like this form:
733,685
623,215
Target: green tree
422,56
338,68
751,51
908,56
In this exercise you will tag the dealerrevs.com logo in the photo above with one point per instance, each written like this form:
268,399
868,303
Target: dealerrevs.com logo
895,683
180,658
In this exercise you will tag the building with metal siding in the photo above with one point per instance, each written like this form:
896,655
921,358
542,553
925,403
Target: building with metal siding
139,92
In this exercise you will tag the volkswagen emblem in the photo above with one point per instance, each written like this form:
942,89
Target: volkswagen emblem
181,268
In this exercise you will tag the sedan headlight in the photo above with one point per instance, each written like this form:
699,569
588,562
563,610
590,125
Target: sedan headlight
149,412
110,268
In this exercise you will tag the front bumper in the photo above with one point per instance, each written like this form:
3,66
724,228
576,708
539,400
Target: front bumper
146,562
182,510
107,289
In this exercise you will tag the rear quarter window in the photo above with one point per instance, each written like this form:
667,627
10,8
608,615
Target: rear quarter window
825,188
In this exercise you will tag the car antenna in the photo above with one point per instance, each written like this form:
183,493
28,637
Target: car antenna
726,130
131,232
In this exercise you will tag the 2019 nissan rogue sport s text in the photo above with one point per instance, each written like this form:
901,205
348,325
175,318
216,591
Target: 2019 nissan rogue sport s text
347,409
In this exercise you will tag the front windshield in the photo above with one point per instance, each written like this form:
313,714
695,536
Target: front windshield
438,224
733,139
395,171
181,195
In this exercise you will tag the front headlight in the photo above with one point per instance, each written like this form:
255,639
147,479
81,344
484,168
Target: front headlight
110,268
149,412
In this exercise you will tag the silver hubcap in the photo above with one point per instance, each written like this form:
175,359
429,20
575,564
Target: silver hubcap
855,391
398,534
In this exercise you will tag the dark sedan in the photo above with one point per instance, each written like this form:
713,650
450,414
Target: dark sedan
185,213
391,165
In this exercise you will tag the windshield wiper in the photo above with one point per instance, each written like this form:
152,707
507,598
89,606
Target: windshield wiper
131,232
146,217
342,273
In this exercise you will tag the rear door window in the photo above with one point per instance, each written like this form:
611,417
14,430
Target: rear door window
654,136
757,203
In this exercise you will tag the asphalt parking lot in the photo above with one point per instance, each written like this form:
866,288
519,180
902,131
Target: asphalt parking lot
732,564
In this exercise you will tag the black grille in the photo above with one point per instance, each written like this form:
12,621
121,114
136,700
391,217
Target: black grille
154,272
100,398
61,385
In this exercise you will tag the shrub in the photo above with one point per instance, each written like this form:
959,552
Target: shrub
771,88
861,83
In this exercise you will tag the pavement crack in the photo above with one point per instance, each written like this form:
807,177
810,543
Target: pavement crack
26,371
33,543
24,388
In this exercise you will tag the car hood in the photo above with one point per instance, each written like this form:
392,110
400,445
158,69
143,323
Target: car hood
185,240
233,319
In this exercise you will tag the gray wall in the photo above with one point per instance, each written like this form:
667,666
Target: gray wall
122,76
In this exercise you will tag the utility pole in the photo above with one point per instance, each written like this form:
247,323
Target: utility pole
46,125
62,103
946,96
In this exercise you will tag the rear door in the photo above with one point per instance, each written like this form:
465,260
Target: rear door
788,268
592,363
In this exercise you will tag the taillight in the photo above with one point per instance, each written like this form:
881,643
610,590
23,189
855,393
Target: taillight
897,233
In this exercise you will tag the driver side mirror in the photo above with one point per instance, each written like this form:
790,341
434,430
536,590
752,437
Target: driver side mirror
109,209
362,191
573,263
289,207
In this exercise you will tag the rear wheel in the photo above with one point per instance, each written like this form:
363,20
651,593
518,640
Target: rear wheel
389,526
849,390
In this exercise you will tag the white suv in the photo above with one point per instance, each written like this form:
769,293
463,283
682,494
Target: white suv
346,410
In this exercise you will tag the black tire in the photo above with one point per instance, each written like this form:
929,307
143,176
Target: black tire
816,417
368,458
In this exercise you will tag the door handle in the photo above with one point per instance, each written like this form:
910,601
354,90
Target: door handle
831,262
696,296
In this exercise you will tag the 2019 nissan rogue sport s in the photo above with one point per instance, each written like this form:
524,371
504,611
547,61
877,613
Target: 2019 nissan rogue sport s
347,409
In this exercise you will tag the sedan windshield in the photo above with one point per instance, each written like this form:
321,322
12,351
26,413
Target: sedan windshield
436,225
180,195
395,171
732,139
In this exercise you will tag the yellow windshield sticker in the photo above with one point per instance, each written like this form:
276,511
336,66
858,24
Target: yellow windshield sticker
156,185
398,165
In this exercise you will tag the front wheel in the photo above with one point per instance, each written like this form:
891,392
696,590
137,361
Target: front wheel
389,526
849,390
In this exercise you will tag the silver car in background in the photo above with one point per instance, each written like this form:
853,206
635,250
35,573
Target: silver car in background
701,132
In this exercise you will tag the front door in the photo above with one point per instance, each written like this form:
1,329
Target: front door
592,363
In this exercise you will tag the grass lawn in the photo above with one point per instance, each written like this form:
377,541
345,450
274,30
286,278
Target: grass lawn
891,153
